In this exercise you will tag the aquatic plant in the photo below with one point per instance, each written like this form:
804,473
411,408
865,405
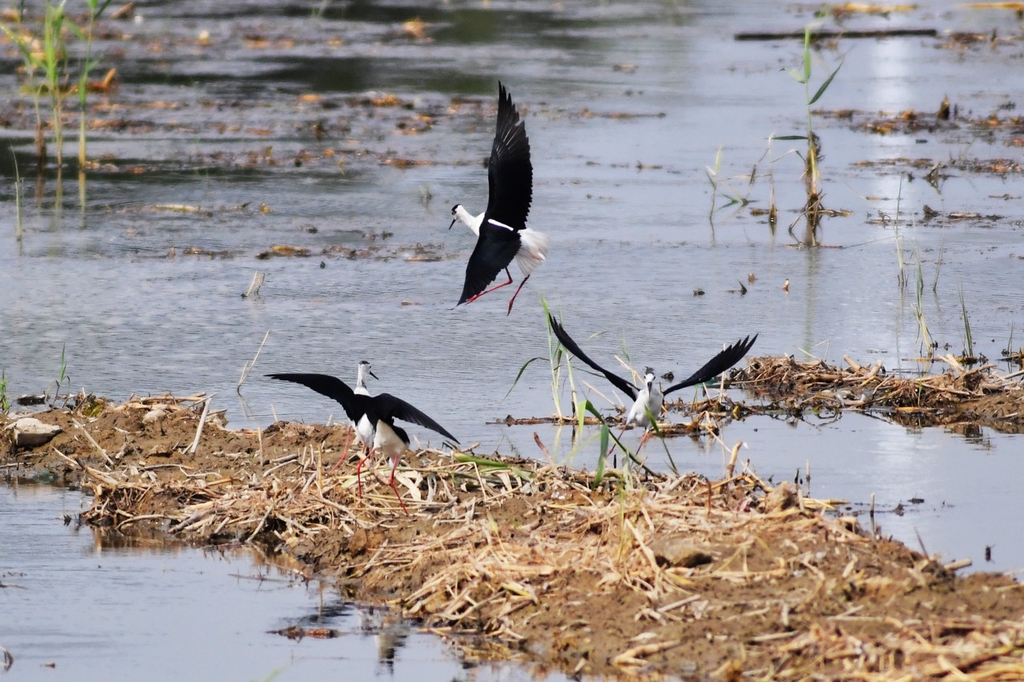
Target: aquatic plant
926,337
48,74
901,276
87,65
4,403
722,187
968,340
62,377
812,174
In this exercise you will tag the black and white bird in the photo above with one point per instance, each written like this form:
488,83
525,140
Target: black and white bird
648,399
374,417
502,234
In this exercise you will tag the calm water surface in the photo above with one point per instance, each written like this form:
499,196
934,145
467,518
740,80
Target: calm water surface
79,607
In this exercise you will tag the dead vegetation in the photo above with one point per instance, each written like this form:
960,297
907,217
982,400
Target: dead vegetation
676,576
979,396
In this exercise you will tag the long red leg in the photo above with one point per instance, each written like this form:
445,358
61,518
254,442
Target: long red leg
494,288
515,294
391,482
615,461
359,467
344,451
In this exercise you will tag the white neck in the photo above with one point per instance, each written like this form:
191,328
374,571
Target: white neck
471,221
361,380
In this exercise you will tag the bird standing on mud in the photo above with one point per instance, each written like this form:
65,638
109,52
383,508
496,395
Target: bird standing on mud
502,234
374,417
648,399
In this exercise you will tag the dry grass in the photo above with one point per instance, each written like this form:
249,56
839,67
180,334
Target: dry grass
678,576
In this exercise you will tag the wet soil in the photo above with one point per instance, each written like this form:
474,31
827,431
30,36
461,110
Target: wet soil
676,576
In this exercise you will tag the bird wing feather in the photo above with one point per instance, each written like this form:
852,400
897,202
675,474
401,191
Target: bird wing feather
332,387
509,173
570,345
388,408
716,365
494,251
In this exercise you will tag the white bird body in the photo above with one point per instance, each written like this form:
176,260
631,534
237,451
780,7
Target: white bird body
533,247
363,426
649,402
387,442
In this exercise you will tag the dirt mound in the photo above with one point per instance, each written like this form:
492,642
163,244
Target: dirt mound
678,576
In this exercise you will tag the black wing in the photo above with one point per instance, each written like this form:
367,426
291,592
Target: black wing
570,345
509,173
389,408
716,365
495,249
332,387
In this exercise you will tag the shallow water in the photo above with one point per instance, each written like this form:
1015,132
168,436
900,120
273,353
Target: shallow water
79,605
625,105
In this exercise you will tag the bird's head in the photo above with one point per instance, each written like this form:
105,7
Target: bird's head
649,378
455,214
364,366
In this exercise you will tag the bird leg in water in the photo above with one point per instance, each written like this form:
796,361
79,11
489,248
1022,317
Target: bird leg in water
391,482
494,288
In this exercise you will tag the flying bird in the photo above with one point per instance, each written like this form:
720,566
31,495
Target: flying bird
374,417
648,399
502,234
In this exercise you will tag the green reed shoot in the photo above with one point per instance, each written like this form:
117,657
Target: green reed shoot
4,402
813,173
919,308
901,277
47,57
969,341
19,213
86,66
62,376
55,75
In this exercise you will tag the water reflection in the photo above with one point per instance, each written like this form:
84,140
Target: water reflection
109,606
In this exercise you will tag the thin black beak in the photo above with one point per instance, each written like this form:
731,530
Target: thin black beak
370,372
453,223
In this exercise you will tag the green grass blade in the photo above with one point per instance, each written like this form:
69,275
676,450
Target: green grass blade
520,374
807,54
602,455
824,86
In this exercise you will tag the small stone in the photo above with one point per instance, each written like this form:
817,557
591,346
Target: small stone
679,552
783,497
28,432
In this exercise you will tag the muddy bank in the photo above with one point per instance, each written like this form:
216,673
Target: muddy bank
516,559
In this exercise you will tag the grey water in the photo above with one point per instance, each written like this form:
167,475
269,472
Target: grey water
81,606
628,107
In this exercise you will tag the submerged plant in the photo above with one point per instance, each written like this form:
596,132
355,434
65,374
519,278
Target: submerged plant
722,187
